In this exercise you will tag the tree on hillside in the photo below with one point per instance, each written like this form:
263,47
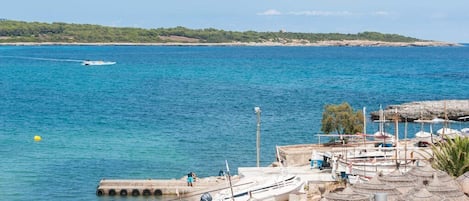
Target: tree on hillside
452,156
341,119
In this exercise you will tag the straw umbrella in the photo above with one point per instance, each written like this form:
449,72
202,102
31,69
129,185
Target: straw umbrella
375,186
421,195
347,195
463,181
425,173
447,190
402,182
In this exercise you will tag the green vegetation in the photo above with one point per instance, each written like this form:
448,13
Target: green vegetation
18,31
341,119
452,156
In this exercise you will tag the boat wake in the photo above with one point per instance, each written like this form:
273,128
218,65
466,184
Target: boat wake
44,59
83,62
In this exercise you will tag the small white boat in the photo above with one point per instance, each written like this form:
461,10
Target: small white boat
97,63
277,190
366,164
358,155
366,167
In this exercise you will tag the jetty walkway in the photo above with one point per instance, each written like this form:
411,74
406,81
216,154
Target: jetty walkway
171,188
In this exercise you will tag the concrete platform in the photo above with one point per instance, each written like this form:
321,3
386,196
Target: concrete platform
171,189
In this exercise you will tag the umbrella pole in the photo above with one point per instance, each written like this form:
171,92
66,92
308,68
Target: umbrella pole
405,146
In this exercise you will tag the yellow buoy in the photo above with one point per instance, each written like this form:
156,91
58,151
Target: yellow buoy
37,138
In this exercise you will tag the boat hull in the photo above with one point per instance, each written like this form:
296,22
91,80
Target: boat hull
267,190
98,63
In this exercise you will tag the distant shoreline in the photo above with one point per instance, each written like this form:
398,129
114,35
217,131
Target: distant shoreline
342,43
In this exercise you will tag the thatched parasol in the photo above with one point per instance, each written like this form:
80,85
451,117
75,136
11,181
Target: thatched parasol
425,174
463,181
446,190
422,195
375,186
402,182
347,195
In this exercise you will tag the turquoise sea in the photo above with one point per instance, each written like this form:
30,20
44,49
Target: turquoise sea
161,112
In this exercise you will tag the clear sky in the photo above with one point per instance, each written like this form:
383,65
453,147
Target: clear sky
425,19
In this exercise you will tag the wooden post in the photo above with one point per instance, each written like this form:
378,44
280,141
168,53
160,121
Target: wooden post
396,133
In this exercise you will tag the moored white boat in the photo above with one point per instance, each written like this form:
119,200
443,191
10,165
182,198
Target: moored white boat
367,154
273,189
367,168
366,164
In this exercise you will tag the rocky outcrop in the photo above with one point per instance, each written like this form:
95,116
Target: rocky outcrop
369,43
454,109
184,41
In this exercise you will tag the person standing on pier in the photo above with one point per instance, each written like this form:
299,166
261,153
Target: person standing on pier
190,179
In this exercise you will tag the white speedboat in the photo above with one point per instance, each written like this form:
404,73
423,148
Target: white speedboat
97,63
274,189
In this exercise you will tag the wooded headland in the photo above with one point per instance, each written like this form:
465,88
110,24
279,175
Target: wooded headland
31,33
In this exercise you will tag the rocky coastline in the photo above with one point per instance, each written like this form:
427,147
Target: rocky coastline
427,110
333,43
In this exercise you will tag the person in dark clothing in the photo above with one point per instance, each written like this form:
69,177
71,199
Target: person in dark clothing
190,179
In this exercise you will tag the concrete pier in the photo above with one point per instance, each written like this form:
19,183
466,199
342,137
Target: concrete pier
155,187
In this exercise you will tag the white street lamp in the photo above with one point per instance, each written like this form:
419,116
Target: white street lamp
258,141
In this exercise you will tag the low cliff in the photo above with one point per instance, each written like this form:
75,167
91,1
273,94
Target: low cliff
454,109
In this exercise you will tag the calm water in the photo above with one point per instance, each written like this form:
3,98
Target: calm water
161,112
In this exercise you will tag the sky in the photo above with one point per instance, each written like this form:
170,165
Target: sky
438,20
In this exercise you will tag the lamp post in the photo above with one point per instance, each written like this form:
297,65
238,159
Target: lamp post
258,134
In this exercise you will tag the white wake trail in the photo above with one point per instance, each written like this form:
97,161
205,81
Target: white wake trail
44,59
